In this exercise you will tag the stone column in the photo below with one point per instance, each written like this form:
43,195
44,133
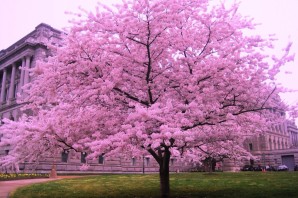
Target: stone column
12,82
27,67
2,96
22,76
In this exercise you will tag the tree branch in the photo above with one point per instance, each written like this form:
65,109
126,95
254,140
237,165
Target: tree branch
156,157
131,97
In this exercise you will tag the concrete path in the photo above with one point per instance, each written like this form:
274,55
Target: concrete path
8,186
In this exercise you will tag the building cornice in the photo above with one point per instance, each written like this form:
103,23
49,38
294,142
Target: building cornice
42,34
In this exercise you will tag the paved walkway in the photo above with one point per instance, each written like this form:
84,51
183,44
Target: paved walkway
8,186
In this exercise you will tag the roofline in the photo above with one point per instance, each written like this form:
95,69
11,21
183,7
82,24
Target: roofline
4,52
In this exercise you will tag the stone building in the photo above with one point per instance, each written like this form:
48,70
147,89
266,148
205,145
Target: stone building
22,54
276,147
293,133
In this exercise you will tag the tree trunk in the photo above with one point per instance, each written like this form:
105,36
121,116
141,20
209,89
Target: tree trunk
163,159
164,175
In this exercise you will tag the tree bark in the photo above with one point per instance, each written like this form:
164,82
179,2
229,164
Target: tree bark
164,174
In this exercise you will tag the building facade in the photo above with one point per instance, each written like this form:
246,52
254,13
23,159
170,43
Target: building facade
23,54
275,147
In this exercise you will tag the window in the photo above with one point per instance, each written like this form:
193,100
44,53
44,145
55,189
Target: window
16,87
270,143
274,144
83,157
11,117
280,129
101,159
275,129
64,156
6,94
172,161
147,161
133,161
6,152
252,162
250,147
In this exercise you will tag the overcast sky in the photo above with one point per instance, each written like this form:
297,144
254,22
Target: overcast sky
20,17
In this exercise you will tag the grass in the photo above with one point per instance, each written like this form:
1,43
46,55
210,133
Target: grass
183,185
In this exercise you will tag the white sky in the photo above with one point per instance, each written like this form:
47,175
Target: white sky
20,17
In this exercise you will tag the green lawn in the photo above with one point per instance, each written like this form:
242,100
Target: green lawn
183,185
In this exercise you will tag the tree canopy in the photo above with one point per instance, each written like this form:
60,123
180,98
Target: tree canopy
170,78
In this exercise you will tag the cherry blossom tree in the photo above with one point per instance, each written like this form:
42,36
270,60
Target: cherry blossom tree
175,78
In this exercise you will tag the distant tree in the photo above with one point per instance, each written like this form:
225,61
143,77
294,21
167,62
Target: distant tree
168,78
